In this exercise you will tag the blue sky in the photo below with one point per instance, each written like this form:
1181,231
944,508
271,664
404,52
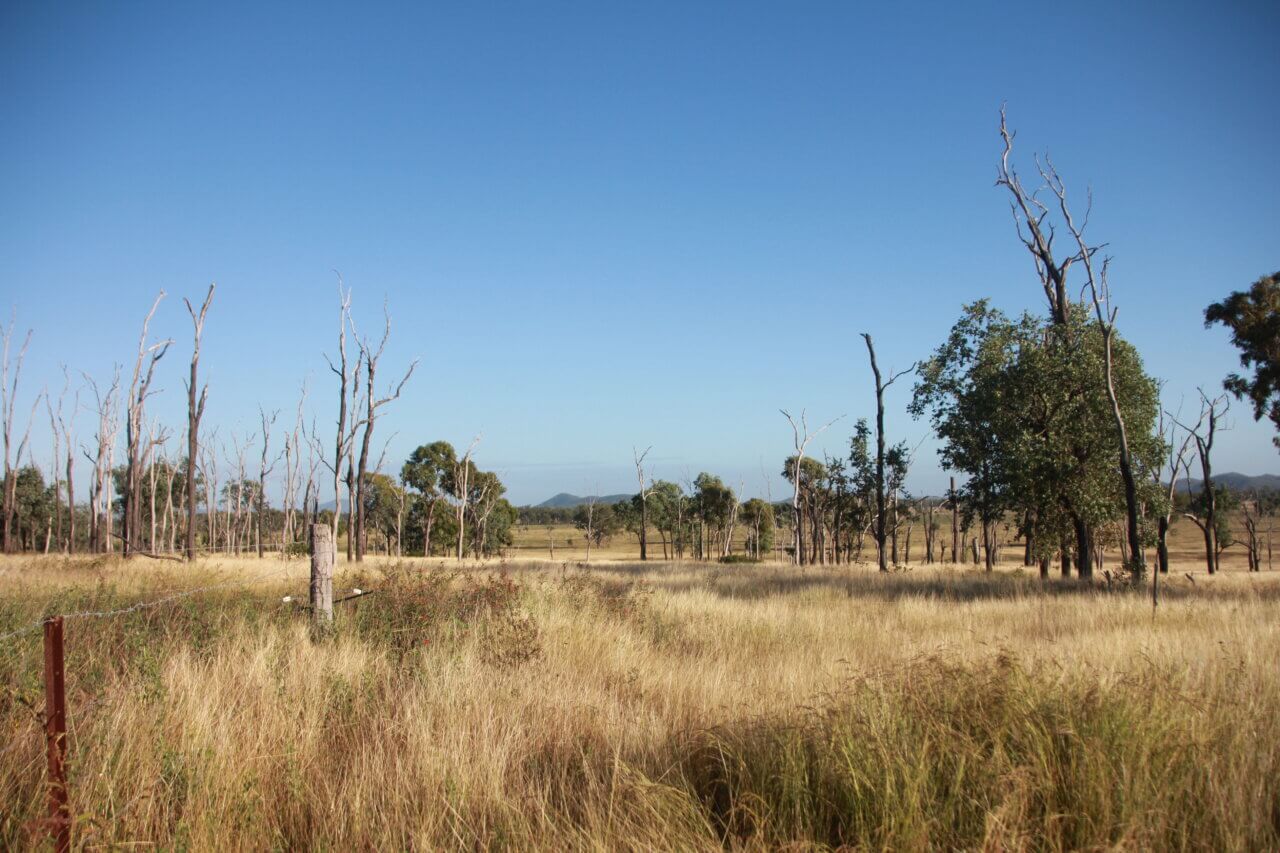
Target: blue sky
602,225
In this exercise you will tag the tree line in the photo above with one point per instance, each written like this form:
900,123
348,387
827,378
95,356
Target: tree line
1049,421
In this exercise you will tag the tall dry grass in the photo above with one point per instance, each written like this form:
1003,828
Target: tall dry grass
648,707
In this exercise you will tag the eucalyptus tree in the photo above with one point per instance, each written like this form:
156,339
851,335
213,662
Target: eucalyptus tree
485,496
1253,316
666,510
802,438
714,504
964,388
643,494
757,515
426,471
807,476
1036,225
1030,426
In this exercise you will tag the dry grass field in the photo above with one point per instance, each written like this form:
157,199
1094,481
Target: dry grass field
662,706
561,542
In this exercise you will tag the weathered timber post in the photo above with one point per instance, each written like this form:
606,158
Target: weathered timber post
323,556
55,735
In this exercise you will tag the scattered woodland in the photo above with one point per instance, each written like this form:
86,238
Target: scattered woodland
1072,647
1051,422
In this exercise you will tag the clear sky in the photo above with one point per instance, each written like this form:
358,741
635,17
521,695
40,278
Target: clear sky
602,225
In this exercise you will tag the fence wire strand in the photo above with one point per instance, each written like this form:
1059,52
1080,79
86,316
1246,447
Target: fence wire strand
144,605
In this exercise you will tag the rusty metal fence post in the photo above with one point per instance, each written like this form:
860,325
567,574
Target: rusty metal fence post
55,733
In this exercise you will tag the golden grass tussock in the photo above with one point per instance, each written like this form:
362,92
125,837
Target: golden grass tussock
637,707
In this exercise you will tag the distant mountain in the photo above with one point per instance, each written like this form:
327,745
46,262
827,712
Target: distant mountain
1236,482
564,499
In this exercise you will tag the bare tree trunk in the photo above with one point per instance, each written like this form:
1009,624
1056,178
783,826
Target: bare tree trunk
136,450
209,471
56,468
151,485
462,476
8,395
195,411
1210,412
103,461
373,404
644,500
955,523
1084,550
342,438
801,436
263,470
880,494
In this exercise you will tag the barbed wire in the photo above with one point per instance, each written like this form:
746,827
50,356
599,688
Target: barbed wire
144,605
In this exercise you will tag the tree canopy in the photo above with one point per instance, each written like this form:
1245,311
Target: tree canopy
1253,316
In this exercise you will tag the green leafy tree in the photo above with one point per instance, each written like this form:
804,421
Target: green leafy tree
1253,316
385,503
1021,408
425,472
757,515
33,504
714,504
811,489
598,522
667,503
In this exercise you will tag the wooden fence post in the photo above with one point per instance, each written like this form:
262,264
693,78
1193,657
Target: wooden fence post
55,734
322,559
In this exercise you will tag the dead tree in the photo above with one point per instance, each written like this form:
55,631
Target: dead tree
10,373
195,411
292,470
1253,543
345,435
237,504
1204,433
881,385
1038,238
461,482
928,509
55,430
591,512
208,466
264,468
727,547
1031,214
169,529
350,477
103,459
1177,458
1100,295
644,499
156,437
801,436
137,447
67,428
373,403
